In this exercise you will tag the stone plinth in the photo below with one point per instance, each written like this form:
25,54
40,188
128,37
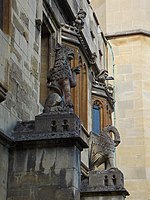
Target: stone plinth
104,185
45,162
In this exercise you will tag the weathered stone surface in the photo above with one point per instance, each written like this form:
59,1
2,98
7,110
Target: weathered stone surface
112,178
3,171
26,65
12,33
36,47
58,129
15,7
17,54
103,148
18,25
57,122
61,79
16,73
3,92
44,161
111,197
24,19
34,64
106,184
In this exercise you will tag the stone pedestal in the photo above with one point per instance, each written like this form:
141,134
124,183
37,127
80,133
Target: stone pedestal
45,162
104,185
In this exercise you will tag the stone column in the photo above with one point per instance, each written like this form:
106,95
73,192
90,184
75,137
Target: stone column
45,163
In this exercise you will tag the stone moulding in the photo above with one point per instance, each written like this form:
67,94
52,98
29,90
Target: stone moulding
128,33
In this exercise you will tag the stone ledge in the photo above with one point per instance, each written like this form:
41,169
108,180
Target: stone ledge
127,33
99,193
43,131
49,139
103,191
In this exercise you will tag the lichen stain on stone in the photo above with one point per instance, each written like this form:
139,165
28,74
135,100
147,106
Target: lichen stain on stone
31,162
41,168
58,178
15,7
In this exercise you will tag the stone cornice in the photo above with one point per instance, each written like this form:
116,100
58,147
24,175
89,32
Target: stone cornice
110,36
41,131
71,35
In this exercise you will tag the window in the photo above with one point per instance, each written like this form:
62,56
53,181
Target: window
97,117
96,127
5,15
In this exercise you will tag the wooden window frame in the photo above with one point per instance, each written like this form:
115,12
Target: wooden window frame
5,15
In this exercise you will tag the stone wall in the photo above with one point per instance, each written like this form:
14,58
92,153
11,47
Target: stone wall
132,85
104,198
22,62
44,173
131,100
3,171
99,7
123,15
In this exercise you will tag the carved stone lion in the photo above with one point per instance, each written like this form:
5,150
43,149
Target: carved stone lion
61,78
103,148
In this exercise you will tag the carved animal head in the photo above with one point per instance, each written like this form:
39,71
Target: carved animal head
112,129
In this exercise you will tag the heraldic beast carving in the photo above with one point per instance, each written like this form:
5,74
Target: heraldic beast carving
61,78
103,148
